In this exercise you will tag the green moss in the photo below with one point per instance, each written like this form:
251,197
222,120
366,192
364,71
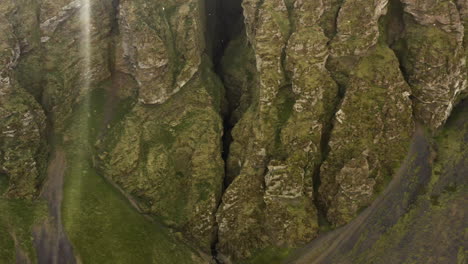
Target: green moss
280,18
90,114
16,223
451,147
461,256
7,246
377,64
100,222
3,183
203,190
212,83
270,255
104,228
285,104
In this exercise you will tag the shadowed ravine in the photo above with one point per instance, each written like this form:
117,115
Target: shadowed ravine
50,240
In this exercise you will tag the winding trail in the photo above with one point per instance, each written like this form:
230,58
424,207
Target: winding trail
50,240
382,214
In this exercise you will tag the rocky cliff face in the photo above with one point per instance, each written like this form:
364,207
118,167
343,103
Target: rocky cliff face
23,151
246,127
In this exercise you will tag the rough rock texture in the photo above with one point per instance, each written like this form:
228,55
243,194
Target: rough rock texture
373,124
247,134
436,69
22,126
424,203
371,132
275,155
302,51
160,45
167,146
165,163
66,67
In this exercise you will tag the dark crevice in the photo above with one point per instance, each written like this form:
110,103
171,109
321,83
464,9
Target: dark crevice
290,10
336,10
324,151
393,28
224,21
227,16
459,7
115,16
328,126
325,137
112,97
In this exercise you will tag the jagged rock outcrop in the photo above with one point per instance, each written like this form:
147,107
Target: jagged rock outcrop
294,97
160,45
22,127
435,69
167,146
371,132
165,165
375,113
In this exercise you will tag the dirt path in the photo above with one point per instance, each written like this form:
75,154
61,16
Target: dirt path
323,249
52,245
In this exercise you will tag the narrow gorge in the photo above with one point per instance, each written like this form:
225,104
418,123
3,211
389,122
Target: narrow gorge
233,131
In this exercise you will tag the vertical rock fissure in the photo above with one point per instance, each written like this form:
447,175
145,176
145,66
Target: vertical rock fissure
326,133
290,10
112,98
324,151
394,30
225,20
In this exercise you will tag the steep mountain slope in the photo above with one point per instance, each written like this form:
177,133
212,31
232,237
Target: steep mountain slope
419,218
229,131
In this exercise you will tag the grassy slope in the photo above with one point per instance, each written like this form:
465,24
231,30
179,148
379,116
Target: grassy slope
17,218
100,222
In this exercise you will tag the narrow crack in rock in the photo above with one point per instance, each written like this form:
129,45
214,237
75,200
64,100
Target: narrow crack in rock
226,21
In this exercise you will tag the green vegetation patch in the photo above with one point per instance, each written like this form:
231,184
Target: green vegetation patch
100,222
17,219
104,228
270,255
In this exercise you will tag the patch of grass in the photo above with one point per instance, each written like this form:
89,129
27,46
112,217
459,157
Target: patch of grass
3,183
7,246
91,111
100,222
16,222
104,228
451,146
270,255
